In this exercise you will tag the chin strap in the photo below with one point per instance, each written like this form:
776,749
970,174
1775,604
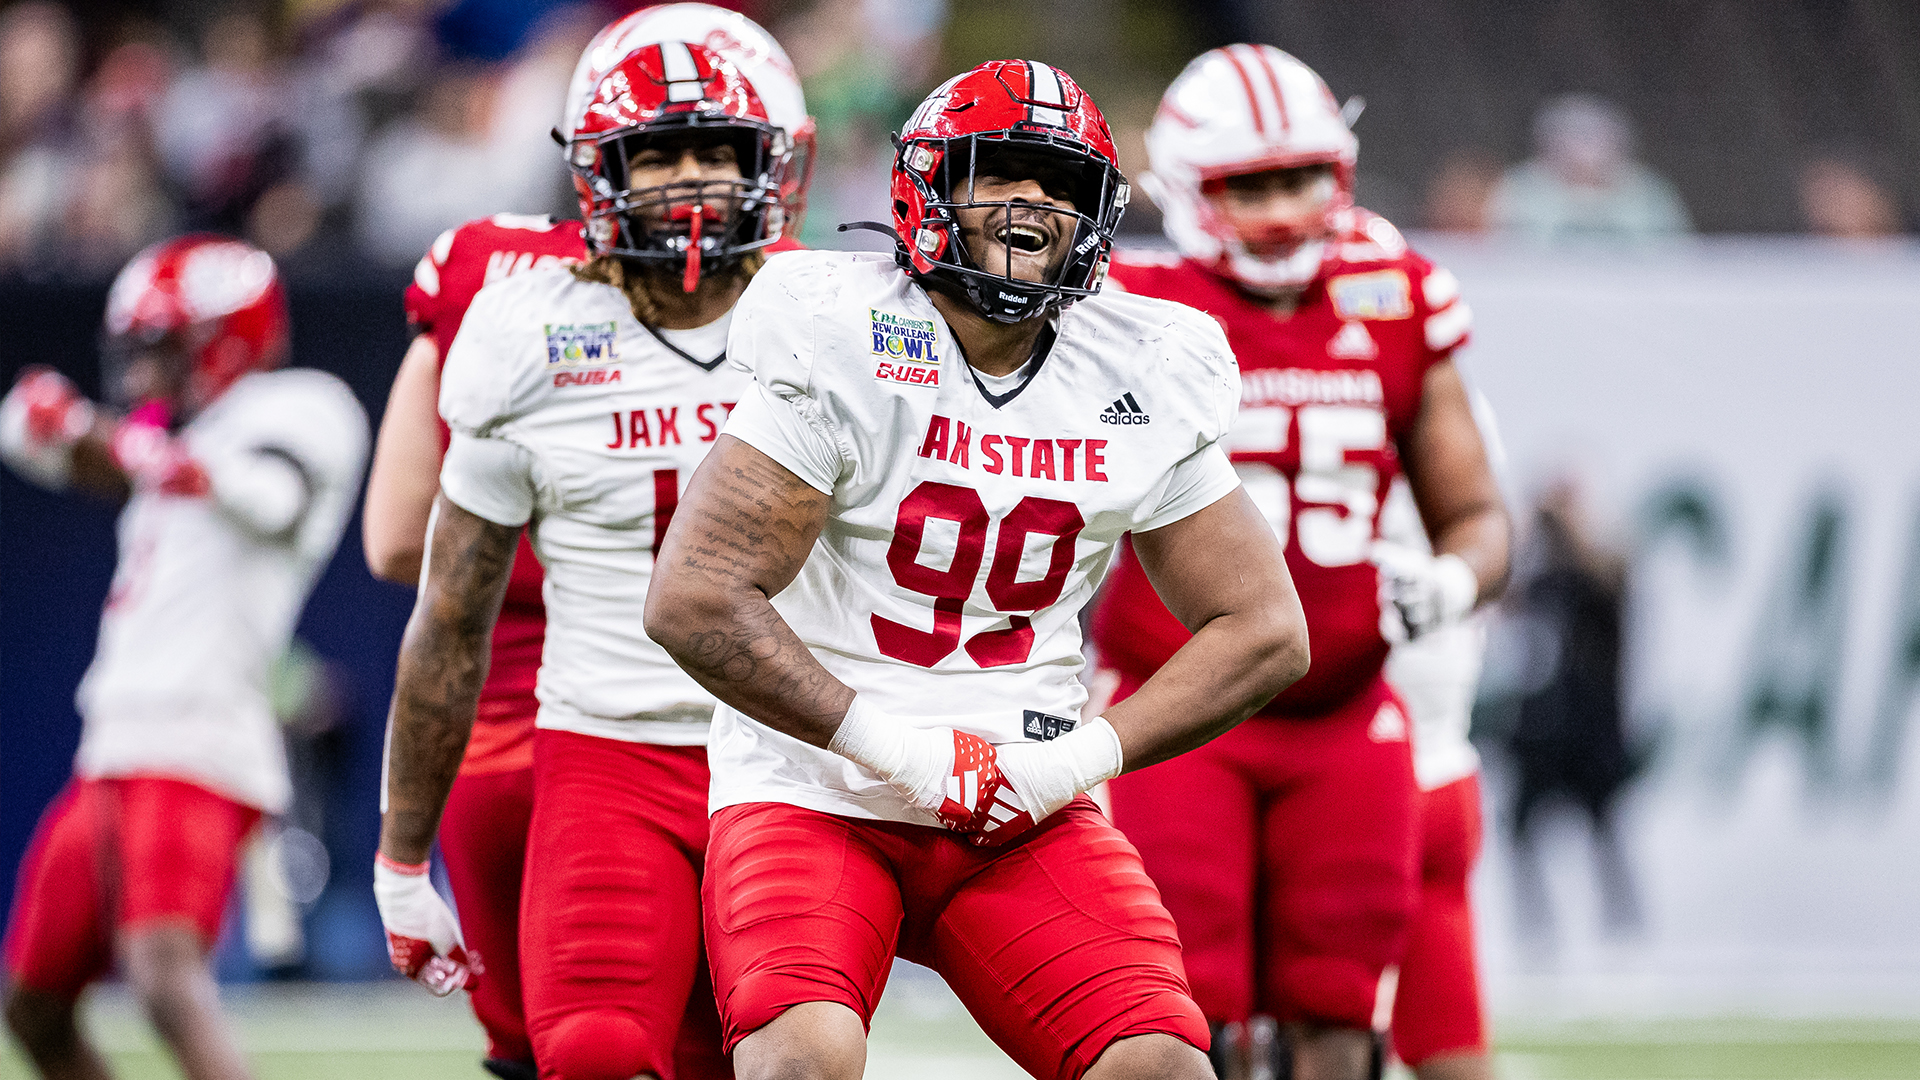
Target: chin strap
692,279
870,226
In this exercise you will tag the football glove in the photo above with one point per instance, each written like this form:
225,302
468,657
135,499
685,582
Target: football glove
153,459
1038,778
948,773
423,937
1420,593
40,420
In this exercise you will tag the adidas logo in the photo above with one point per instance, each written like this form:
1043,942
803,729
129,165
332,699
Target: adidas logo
1125,411
1353,343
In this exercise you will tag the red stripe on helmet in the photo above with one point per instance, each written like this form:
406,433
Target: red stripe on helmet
1253,100
1273,80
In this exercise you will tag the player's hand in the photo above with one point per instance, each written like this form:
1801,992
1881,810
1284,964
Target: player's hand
949,773
40,420
1038,778
1420,593
151,457
423,937
54,411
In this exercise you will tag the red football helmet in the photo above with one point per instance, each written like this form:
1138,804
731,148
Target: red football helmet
1019,108
677,88
213,300
740,41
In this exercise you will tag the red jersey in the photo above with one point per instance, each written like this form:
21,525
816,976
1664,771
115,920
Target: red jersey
460,263
1326,395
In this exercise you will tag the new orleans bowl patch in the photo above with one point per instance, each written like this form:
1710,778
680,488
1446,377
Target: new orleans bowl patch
1382,294
899,338
580,344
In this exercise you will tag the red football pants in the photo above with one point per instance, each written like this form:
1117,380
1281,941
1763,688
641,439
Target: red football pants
1058,945
115,856
610,922
483,838
1288,852
1438,1008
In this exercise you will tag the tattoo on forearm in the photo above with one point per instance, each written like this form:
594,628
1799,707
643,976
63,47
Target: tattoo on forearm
746,538
443,663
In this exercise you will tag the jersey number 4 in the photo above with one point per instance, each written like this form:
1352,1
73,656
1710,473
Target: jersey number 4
951,587
1335,526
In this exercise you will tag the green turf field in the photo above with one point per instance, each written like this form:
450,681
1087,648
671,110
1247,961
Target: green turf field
393,1031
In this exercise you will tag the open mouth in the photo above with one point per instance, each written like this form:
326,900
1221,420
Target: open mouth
1030,239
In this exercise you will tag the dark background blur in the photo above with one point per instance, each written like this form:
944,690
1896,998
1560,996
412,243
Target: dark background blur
343,136
330,130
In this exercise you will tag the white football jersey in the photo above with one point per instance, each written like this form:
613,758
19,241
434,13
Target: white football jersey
1438,674
570,416
965,533
203,600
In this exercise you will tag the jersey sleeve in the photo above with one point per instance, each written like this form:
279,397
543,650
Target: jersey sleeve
1205,475
292,438
1446,320
477,382
423,294
490,478
773,338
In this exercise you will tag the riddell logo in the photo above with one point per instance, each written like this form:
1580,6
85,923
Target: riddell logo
1125,411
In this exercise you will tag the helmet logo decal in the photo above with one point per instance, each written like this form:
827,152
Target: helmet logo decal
682,72
1273,84
1046,89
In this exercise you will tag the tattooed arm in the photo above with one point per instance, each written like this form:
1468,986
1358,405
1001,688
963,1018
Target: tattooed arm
742,531
443,662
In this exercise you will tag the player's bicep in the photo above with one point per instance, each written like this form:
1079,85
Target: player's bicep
745,521
462,582
1444,457
406,467
1220,560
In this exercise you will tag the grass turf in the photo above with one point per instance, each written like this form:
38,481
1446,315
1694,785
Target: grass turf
392,1031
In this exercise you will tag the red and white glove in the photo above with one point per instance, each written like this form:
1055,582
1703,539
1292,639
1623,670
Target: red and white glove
40,420
154,459
1041,777
423,937
1420,593
949,773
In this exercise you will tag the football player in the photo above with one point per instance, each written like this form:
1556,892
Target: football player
237,481
880,569
483,832
1439,1025
1288,850
577,398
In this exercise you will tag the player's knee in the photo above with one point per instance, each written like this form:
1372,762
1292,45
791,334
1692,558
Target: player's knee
167,971
817,1040
596,1045
1323,1052
42,1022
1151,1057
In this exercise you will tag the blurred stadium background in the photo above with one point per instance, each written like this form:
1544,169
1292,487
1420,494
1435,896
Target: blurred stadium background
1686,228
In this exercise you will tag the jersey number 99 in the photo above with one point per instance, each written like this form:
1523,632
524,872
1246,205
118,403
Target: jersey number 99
951,587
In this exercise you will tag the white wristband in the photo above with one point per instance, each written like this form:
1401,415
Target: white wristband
869,737
1456,585
1048,775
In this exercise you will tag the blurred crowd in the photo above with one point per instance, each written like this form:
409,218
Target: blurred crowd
1584,180
366,127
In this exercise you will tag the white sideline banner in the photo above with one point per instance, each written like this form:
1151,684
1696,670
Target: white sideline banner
1771,389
